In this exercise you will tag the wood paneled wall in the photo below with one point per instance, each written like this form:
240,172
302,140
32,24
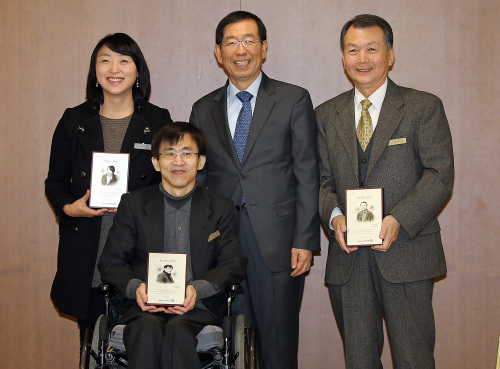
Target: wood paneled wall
445,47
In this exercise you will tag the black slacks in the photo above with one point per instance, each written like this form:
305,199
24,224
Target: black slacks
95,308
273,304
164,341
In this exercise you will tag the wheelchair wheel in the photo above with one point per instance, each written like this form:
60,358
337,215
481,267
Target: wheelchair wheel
244,345
86,347
90,345
95,342
253,362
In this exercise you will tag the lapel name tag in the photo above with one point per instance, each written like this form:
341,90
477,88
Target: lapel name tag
213,236
397,141
142,146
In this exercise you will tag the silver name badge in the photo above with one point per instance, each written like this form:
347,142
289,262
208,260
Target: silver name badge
142,146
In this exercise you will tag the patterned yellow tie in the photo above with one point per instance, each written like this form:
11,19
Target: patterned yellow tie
365,129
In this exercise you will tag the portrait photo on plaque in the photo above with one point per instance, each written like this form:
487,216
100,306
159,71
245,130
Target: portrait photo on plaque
166,284
364,214
109,179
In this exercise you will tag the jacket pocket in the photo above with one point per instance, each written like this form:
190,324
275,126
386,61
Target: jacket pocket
286,207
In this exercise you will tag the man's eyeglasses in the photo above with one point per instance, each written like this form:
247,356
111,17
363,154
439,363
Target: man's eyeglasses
246,43
185,155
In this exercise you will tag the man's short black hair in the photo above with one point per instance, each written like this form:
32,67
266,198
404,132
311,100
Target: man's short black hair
236,17
111,168
367,21
172,133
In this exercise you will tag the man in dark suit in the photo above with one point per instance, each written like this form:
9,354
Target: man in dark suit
261,139
408,152
202,225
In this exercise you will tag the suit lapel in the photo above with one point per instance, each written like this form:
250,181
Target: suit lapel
388,121
263,106
346,129
219,115
200,228
89,134
138,130
154,222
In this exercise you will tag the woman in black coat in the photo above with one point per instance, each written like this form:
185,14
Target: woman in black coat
115,118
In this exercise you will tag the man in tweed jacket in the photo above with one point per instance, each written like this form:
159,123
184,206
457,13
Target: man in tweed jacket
410,156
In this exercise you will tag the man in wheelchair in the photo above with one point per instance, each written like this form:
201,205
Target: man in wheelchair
175,217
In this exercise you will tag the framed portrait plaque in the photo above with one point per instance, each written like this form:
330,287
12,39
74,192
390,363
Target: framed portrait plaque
166,284
364,214
109,179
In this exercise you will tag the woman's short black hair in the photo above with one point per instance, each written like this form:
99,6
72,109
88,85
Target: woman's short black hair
120,43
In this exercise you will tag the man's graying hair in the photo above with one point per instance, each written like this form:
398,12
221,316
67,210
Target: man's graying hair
366,21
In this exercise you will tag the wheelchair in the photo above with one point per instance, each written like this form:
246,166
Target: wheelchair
231,346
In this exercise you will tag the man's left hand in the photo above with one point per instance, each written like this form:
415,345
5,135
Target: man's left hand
301,261
388,233
189,302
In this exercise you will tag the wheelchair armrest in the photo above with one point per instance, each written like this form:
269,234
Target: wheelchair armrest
235,288
231,291
104,288
108,291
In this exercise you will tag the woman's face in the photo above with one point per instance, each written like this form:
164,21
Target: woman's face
116,73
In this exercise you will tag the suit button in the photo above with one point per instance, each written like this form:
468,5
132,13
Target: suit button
363,160
83,174
242,176
363,184
147,130
80,129
144,176
75,229
237,207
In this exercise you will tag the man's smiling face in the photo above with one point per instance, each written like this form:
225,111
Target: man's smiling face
242,64
366,58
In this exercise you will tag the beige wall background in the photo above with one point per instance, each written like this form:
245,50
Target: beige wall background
449,48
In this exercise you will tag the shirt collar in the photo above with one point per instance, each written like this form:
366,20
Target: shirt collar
376,98
232,90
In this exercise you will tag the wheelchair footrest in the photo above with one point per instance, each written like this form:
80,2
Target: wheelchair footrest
209,337
116,338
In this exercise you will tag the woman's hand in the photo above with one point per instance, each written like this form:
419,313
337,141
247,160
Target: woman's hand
80,209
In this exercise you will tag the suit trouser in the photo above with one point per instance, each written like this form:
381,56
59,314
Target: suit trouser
360,304
95,308
166,341
274,302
